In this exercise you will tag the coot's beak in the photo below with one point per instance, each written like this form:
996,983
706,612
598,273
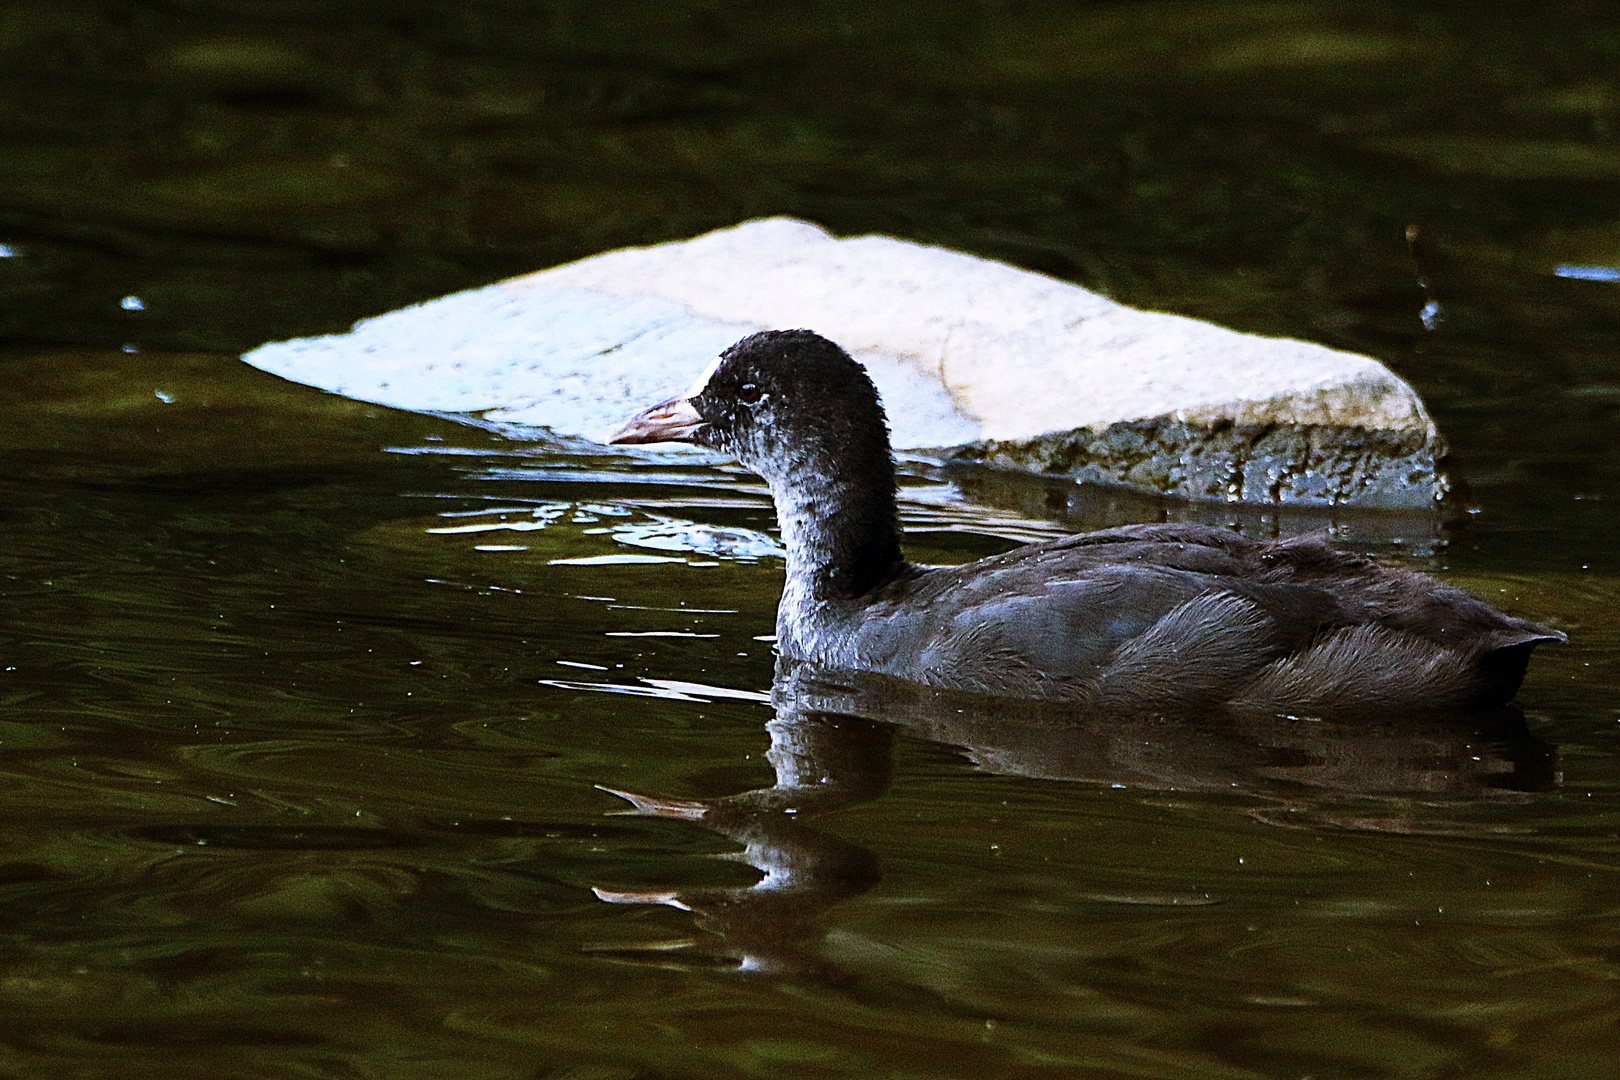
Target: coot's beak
674,420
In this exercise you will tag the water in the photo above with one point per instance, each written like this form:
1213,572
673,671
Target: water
304,777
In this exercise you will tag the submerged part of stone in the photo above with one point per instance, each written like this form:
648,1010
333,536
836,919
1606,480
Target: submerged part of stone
1298,464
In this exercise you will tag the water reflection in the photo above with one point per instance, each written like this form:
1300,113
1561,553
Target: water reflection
1086,506
824,761
832,746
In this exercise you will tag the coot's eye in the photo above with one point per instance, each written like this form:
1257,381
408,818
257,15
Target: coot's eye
749,393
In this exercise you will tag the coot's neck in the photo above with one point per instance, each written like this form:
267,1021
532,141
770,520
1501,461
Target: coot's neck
841,530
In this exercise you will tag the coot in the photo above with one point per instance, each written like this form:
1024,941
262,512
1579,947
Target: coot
1146,616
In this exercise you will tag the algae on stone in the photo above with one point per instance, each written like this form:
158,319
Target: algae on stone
1296,464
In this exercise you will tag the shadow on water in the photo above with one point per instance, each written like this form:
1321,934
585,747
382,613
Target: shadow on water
832,746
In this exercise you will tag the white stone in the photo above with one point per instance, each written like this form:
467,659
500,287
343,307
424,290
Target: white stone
961,348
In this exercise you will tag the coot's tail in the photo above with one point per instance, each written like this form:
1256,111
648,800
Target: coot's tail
1372,667
1501,666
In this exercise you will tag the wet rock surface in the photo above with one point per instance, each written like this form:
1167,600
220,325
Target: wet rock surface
1299,464
975,360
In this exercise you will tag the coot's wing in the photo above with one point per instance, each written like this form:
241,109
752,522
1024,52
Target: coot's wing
1060,623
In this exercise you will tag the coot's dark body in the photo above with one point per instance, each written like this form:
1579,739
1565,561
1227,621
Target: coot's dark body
1152,616
1160,615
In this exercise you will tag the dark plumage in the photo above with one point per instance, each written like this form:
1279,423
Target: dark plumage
1147,616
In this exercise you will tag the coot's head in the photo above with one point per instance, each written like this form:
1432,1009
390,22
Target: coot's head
782,402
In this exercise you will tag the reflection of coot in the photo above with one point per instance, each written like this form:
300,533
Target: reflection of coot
822,763
1447,755
1136,617
832,747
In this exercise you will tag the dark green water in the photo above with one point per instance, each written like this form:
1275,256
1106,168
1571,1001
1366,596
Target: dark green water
299,772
